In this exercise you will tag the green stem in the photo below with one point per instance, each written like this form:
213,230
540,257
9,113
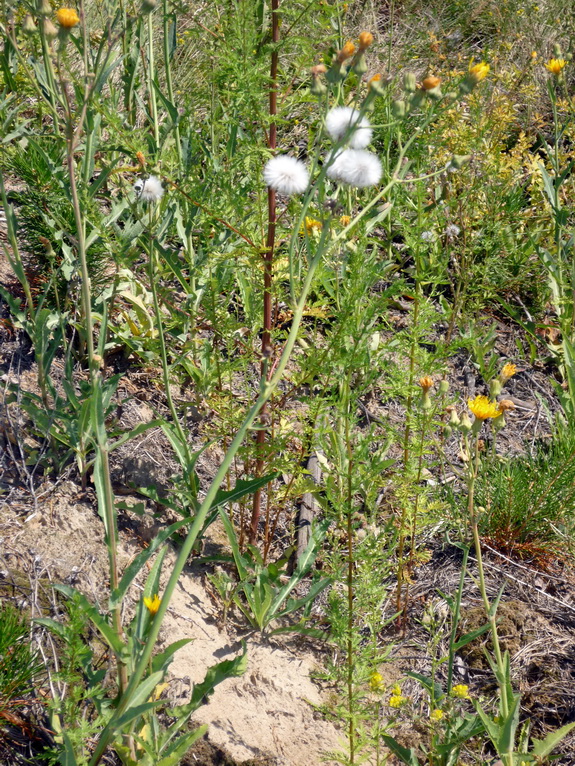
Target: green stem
151,78
169,82
198,522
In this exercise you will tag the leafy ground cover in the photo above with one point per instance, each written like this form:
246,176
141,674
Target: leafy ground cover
288,383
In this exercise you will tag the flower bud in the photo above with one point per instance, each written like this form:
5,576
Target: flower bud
409,82
148,6
28,27
495,388
477,72
465,423
459,160
359,65
44,8
416,99
447,431
444,386
453,417
346,52
430,83
50,31
398,109
557,52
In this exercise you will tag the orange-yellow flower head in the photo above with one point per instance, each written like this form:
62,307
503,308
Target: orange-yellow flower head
556,66
426,382
479,71
430,83
346,52
152,604
345,220
507,372
310,225
483,408
365,40
67,17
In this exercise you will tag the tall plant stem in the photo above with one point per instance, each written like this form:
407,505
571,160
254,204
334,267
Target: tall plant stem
105,495
268,269
151,77
267,388
490,612
169,81
163,352
350,592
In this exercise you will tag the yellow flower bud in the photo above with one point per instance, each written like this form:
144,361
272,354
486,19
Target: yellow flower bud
346,52
430,83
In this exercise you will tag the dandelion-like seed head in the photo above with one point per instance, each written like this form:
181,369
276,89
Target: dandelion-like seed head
67,17
365,40
287,175
342,121
508,371
152,604
461,691
483,408
149,189
427,236
356,167
452,230
479,71
555,66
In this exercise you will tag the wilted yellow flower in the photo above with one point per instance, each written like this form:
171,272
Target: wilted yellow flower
346,52
141,159
505,405
479,71
152,604
345,220
483,408
507,372
318,69
436,715
376,682
461,691
310,225
426,382
430,82
397,700
67,17
365,40
555,66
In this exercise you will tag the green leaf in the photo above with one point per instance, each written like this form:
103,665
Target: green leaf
180,747
99,621
161,660
404,754
508,728
432,687
214,676
543,747
136,565
471,636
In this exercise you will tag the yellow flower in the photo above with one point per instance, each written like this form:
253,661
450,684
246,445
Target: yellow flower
430,83
396,689
555,66
397,700
482,408
376,683
365,40
426,382
461,691
507,372
346,52
479,71
345,220
436,715
67,17
310,225
152,604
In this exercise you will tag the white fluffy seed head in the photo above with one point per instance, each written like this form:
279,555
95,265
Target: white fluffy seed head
149,189
356,167
286,175
342,121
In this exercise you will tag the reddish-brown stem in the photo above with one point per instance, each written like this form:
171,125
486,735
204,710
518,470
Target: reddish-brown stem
268,270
